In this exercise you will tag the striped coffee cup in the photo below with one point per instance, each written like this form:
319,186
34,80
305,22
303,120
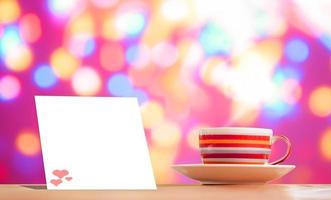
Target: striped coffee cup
238,145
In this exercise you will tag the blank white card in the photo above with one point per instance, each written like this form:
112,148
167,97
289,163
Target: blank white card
93,143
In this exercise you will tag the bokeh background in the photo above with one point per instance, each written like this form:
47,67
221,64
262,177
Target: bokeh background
191,64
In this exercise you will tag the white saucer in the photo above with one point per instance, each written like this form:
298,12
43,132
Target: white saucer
233,173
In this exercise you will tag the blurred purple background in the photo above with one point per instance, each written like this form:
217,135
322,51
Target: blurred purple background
191,64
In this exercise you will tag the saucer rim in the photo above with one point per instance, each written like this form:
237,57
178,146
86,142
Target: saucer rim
233,165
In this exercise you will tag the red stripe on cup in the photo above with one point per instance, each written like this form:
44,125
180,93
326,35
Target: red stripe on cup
236,145
222,162
235,137
235,155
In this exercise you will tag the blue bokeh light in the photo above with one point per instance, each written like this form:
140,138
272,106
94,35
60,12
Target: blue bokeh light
278,109
297,50
214,40
44,76
132,54
141,95
10,39
286,72
326,41
136,23
89,47
120,85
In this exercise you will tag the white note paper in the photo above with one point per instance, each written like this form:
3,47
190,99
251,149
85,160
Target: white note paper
93,143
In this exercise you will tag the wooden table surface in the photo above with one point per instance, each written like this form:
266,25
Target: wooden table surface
173,192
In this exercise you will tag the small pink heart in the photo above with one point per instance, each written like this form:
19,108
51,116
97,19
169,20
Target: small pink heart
56,182
60,173
68,178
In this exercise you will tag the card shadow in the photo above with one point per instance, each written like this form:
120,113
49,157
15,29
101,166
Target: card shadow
35,187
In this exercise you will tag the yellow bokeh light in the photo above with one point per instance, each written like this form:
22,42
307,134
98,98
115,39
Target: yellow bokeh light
325,144
19,59
161,161
242,114
86,81
270,50
28,143
261,58
152,114
63,63
166,134
82,24
108,29
193,136
320,101
175,89
9,11
190,55
213,70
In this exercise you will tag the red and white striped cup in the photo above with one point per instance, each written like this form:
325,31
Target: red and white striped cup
238,145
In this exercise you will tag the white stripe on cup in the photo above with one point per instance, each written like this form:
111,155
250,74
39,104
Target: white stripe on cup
234,160
238,130
241,133
235,150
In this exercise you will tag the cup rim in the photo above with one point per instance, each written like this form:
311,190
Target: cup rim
236,130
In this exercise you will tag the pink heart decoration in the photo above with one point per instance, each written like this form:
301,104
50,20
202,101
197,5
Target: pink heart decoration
56,182
60,173
68,178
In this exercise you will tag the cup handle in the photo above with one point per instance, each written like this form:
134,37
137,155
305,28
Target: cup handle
288,151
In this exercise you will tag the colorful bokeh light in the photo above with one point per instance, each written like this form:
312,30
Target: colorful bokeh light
120,85
325,144
64,64
141,95
9,11
152,114
174,10
326,40
215,40
138,56
320,101
82,24
82,45
166,134
30,27
130,23
112,57
297,50
19,59
62,8
44,76
28,143
164,54
10,87
86,81
10,40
